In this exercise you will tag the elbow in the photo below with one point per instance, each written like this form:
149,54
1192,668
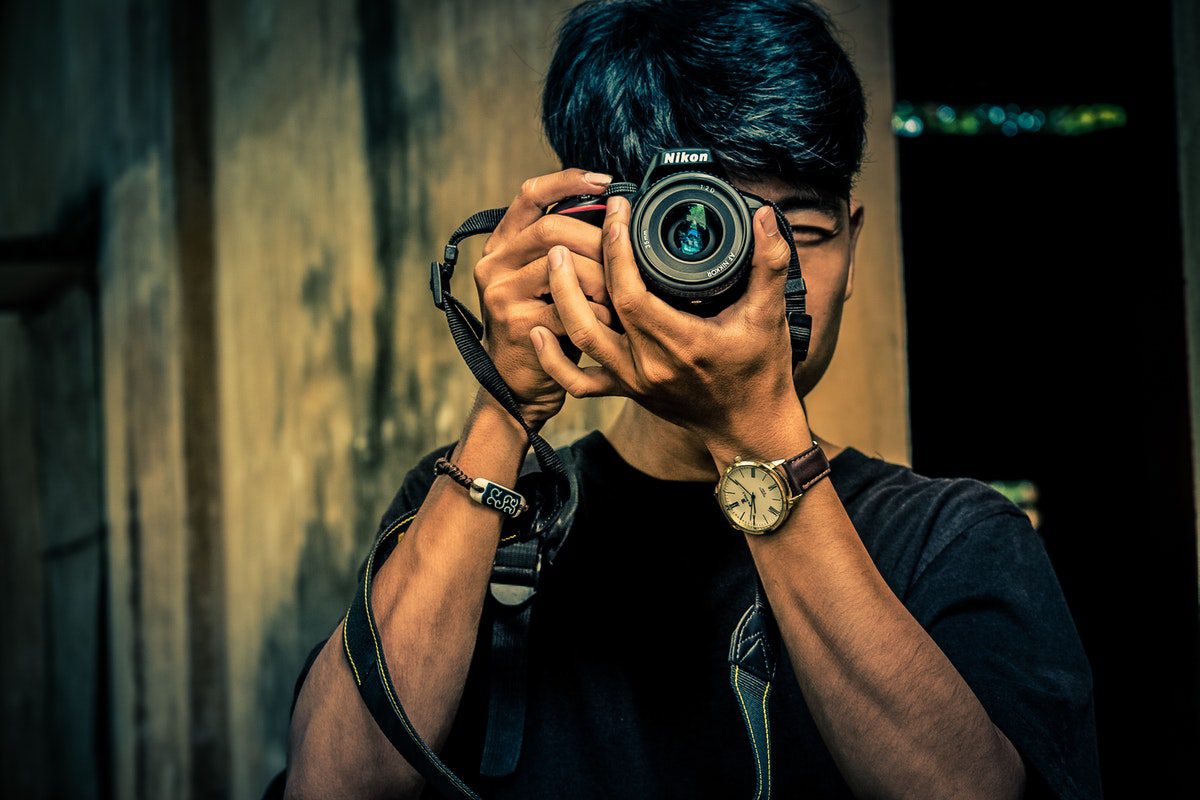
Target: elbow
335,749
999,776
1008,771
330,762
997,772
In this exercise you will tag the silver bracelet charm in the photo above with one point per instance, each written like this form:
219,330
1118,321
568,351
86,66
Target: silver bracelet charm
482,491
501,498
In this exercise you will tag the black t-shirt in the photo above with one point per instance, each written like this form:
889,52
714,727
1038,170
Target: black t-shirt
629,692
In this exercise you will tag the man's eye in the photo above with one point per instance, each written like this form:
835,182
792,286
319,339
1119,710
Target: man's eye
807,235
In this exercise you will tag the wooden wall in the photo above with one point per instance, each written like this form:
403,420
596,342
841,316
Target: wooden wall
274,179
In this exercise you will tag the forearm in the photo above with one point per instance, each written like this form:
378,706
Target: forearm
896,715
428,598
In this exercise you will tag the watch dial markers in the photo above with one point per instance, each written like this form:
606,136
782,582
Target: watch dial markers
743,486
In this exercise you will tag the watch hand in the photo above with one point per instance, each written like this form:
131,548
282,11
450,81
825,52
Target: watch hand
743,488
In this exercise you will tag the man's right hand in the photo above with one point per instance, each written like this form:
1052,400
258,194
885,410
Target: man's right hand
513,282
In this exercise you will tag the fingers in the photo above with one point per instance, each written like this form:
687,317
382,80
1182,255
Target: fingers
579,321
768,270
533,280
577,381
539,193
551,229
640,311
550,318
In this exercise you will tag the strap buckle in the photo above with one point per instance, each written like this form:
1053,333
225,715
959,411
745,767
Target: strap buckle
439,279
515,573
795,286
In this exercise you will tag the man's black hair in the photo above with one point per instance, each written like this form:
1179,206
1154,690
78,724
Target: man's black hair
763,83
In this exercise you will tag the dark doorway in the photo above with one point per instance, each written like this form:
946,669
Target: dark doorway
1044,289
53,532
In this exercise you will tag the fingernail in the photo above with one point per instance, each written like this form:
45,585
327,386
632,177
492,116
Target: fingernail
556,258
537,339
771,225
612,204
598,178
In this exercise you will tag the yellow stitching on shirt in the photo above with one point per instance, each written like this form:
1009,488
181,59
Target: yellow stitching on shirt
346,644
750,727
346,618
767,728
371,622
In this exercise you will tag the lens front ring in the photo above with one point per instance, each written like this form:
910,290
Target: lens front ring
705,271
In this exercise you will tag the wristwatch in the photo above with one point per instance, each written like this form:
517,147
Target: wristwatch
757,496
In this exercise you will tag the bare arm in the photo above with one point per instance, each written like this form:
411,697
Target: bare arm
896,714
428,598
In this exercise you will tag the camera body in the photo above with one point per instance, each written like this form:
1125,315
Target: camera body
691,231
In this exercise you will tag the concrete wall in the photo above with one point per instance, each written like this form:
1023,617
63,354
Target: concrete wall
272,180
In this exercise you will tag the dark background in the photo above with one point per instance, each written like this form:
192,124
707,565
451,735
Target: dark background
1046,318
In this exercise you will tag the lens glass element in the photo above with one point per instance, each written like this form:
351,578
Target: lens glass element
691,231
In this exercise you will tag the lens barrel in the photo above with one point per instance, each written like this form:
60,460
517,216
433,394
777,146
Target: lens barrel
690,230
693,240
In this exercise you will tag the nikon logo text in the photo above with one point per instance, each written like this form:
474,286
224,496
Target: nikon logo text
684,158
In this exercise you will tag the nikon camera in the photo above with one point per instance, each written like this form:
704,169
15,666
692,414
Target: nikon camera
690,230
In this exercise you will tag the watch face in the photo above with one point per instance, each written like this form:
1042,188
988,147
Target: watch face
753,497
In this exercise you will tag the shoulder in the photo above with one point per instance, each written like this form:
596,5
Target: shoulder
911,518
899,490
973,571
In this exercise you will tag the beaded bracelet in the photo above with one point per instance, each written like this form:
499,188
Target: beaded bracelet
483,491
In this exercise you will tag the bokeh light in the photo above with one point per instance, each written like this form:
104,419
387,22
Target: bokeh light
914,119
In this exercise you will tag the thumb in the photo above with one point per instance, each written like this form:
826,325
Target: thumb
769,267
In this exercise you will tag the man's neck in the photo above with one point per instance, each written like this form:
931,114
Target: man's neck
665,450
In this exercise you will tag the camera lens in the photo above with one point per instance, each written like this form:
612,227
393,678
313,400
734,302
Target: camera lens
692,242
691,231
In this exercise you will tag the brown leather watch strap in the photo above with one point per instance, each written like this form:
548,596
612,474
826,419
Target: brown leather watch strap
806,468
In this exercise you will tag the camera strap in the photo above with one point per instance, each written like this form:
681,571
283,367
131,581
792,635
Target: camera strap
526,543
513,585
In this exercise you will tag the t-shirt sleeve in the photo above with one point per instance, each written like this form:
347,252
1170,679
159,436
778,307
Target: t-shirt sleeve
991,601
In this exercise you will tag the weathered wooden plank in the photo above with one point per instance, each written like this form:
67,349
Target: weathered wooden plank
145,487
191,133
67,435
297,294
24,702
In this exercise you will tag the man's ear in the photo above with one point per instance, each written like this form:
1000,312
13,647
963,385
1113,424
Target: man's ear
857,214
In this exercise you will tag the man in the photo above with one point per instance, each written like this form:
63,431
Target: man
929,650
